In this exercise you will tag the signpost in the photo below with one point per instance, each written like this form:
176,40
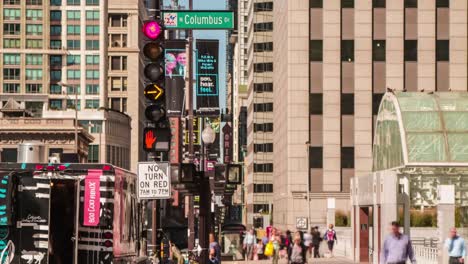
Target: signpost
154,180
198,19
301,223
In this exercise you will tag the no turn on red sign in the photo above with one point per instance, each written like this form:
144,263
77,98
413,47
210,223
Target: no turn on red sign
154,180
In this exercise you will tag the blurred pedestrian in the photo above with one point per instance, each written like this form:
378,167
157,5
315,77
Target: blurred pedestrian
215,248
298,253
275,239
456,247
288,244
259,248
249,242
316,240
397,247
308,241
330,237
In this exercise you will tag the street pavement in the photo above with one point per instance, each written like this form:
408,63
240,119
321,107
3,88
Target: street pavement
334,260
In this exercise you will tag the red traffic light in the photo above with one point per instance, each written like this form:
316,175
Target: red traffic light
149,139
152,29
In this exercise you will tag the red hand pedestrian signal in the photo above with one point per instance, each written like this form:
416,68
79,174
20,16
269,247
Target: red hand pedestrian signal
150,138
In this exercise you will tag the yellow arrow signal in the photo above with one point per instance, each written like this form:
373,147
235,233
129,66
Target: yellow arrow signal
153,92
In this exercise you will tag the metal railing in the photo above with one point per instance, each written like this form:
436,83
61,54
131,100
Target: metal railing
426,254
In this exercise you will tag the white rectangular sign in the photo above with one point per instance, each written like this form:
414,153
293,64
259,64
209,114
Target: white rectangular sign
154,180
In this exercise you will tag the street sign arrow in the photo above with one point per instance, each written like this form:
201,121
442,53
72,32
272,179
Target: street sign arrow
153,92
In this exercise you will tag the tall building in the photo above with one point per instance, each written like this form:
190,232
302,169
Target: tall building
62,56
333,61
256,18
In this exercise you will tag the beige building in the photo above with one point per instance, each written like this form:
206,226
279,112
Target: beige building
333,61
55,54
256,70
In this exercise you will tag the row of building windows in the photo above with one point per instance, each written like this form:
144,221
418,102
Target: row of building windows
57,104
15,59
263,46
263,6
263,27
378,3
15,14
265,107
316,157
316,104
263,87
263,188
263,167
263,127
32,88
265,147
54,44
378,50
263,67
17,2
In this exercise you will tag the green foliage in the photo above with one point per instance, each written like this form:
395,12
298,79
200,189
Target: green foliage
427,218
342,219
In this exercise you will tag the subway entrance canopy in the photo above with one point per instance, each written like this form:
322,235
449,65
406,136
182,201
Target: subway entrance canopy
420,144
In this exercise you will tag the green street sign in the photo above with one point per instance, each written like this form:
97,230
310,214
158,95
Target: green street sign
198,19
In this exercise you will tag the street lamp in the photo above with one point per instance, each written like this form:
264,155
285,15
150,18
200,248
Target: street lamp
76,113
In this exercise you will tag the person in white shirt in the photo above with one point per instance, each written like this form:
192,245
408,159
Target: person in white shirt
249,242
308,242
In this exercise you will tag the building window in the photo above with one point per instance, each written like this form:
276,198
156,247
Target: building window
376,99
33,14
9,155
347,50
56,75
55,15
118,63
316,3
378,50
55,2
316,50
11,29
411,50
55,89
73,44
33,29
73,2
33,88
55,60
55,30
73,29
263,27
92,15
11,74
118,40
378,3
265,46
266,147
263,188
33,59
260,208
73,74
316,157
92,74
33,2
11,2
264,6
347,3
92,89
263,67
263,127
347,157
118,83
263,167
92,2
73,60
11,88
92,44
11,43
263,87
115,104
34,43
55,44
411,3
93,154
11,59
33,74
11,14
442,50
55,104
347,104
92,30
442,3
73,14
266,107
124,105
93,126
92,104
118,20
316,104
71,104
92,59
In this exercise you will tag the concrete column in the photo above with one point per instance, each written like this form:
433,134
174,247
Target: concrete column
331,211
445,217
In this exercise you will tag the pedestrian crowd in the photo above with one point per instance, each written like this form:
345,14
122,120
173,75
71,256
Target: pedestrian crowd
296,247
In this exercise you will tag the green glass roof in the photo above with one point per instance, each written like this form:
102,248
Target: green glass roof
421,129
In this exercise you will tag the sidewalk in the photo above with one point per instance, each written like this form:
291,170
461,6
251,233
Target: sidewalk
335,260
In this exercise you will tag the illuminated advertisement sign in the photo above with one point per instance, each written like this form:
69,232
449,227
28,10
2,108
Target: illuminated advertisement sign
207,75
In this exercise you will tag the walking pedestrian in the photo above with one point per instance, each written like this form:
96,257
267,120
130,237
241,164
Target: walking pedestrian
308,241
316,240
260,251
456,247
275,239
330,237
249,242
288,244
215,249
397,247
298,253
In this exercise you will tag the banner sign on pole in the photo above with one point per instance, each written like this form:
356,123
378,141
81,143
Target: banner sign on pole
92,196
175,57
207,76
154,180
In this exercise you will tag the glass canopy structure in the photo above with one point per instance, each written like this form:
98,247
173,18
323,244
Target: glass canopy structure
421,129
